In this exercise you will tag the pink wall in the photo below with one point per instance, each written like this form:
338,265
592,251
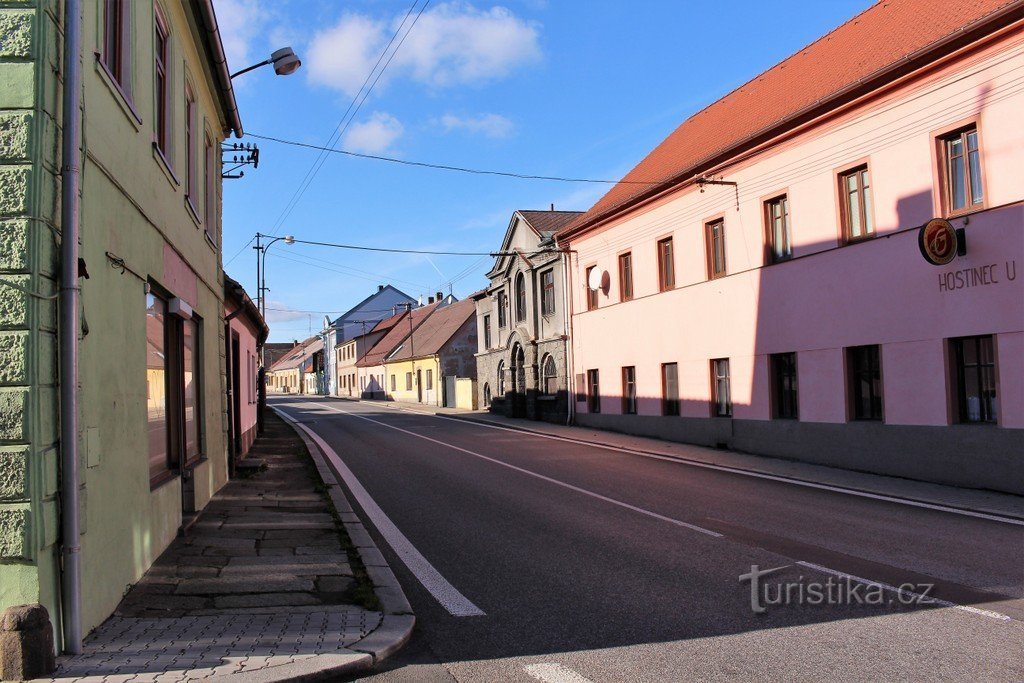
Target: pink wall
828,297
248,360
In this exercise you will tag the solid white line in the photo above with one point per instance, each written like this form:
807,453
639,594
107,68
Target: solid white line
444,592
557,482
746,473
917,597
554,673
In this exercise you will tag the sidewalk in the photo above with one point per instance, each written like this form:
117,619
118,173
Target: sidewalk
266,586
970,500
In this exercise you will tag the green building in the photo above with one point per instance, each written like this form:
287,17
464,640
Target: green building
156,105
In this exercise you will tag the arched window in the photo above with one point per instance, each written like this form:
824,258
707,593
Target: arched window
549,376
501,378
487,394
520,297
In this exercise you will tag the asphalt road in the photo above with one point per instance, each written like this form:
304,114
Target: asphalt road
590,564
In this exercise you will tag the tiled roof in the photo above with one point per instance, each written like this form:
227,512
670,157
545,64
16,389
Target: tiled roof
299,354
864,47
387,323
396,336
430,337
549,222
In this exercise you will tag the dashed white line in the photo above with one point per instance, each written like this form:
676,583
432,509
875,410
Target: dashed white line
917,598
444,592
551,480
554,673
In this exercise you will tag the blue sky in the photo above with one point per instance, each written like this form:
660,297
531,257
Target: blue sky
560,88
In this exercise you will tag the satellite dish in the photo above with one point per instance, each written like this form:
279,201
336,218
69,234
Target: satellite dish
327,322
596,279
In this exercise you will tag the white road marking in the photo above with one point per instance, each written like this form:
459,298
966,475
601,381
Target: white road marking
746,473
551,480
907,594
444,592
554,673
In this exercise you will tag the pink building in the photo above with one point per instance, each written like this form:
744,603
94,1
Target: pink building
244,334
767,291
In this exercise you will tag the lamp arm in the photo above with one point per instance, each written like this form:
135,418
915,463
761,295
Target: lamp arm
250,68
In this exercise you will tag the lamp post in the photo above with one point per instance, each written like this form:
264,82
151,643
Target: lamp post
285,62
261,293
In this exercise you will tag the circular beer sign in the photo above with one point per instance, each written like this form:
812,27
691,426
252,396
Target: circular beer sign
937,240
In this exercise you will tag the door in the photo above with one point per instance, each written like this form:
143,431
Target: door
236,397
419,386
518,382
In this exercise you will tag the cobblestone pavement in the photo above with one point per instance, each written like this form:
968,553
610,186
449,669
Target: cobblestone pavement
263,579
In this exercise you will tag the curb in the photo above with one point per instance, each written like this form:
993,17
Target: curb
398,620
740,470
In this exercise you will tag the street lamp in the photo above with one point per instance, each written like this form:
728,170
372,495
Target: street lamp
285,62
261,292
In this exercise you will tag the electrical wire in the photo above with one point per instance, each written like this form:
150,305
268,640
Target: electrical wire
391,250
239,252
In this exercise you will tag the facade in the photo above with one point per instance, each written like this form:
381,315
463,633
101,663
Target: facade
374,381
350,352
522,364
428,362
300,371
245,332
151,352
361,318
773,295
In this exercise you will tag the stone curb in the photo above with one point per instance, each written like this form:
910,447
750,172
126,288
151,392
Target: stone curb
396,627
325,667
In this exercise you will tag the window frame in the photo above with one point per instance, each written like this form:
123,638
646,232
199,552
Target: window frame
519,287
720,408
710,251
958,376
629,399
115,53
548,377
865,208
487,331
594,391
502,305
210,176
769,233
547,292
191,161
670,404
666,265
854,373
408,381
625,261
430,380
501,378
162,86
394,382
943,138
779,403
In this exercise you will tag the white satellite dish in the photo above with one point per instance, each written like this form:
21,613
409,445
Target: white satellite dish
596,279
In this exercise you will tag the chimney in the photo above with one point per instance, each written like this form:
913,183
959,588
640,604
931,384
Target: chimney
439,296
430,299
552,206
421,300
380,288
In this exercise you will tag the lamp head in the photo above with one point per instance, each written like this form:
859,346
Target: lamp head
289,239
285,61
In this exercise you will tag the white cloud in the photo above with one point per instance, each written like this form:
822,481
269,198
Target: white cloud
279,312
373,135
453,43
241,23
490,125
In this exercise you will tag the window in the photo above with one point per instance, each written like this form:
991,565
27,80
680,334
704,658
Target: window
593,392
776,213
855,190
721,395
501,378
487,394
157,387
430,379
487,332
502,309
714,241
666,265
961,170
669,389
865,373
783,381
161,53
625,277
547,292
975,374
408,381
549,376
191,171
393,385
520,298
116,55
591,293
629,390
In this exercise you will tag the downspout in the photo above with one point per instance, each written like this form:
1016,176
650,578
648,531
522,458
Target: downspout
71,157
570,378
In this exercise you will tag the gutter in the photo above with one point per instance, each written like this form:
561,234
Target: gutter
70,172
791,123
215,46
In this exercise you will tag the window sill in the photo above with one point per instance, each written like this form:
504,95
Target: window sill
210,241
118,92
165,166
191,210
162,479
953,215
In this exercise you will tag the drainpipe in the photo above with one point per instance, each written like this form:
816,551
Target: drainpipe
570,378
71,159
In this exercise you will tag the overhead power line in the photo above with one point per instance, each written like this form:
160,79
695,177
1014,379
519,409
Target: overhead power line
359,247
459,169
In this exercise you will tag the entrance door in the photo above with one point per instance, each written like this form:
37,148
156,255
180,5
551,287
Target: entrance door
236,397
518,382
419,386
